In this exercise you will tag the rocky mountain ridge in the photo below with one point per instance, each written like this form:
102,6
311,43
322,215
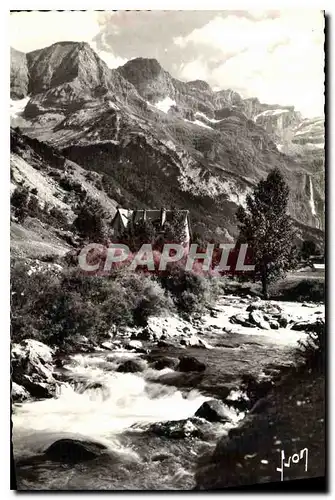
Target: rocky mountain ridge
161,141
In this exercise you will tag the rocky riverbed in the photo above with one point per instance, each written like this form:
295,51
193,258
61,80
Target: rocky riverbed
140,410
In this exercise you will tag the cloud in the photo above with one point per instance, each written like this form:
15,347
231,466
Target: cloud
279,60
36,30
108,57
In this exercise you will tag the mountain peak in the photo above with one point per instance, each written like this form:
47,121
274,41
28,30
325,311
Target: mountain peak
148,77
147,66
64,62
200,85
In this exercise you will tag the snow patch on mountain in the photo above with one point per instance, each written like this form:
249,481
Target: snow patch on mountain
271,112
212,120
164,105
198,122
313,145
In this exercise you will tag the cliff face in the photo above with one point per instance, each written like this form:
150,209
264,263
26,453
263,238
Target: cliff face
162,141
18,74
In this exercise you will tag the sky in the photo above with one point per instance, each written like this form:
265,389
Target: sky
277,56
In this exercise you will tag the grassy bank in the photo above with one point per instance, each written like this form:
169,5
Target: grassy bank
291,418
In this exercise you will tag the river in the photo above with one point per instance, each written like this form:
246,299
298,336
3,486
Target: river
114,409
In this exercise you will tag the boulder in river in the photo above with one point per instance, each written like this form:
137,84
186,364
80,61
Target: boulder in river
144,334
39,389
195,341
256,389
130,366
257,318
190,364
241,319
265,307
135,345
19,393
274,324
163,362
177,429
316,326
108,345
32,368
282,320
74,451
213,411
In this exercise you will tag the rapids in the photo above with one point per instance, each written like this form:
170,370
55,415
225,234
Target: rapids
117,402
99,404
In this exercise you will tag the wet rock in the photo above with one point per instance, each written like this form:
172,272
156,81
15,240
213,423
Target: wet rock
89,386
108,345
59,363
195,341
85,345
238,399
164,343
19,393
256,389
144,334
260,406
177,429
37,389
283,320
162,363
316,326
136,345
241,319
265,307
190,364
74,451
257,318
213,411
32,368
32,356
274,325
130,366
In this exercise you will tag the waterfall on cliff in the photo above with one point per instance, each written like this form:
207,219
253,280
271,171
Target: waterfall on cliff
311,199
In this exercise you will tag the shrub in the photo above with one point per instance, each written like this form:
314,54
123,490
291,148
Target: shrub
308,248
56,307
146,295
306,290
312,350
33,207
59,217
191,292
19,201
69,184
90,221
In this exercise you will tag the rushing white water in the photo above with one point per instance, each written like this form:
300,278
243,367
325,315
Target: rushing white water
101,413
